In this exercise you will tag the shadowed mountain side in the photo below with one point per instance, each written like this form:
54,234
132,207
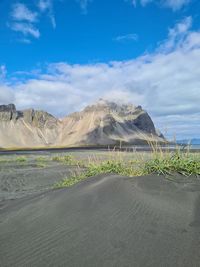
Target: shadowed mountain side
105,221
121,134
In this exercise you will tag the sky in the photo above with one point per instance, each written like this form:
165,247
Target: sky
61,55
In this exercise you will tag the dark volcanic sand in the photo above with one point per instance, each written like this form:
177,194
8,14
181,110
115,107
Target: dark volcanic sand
20,179
105,221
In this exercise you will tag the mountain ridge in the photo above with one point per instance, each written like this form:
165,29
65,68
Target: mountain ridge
102,123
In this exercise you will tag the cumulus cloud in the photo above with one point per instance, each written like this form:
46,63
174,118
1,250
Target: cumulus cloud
173,4
166,83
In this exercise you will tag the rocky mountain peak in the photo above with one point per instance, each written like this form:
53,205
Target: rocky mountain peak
111,106
7,112
8,108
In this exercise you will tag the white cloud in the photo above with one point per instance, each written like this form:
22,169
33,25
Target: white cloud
47,6
84,5
145,2
23,21
166,83
44,5
21,13
173,4
26,29
127,37
177,36
176,4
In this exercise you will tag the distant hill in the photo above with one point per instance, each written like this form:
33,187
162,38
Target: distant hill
194,141
103,123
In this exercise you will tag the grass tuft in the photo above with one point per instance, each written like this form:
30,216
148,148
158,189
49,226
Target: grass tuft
181,163
105,167
21,159
158,162
41,165
68,159
41,159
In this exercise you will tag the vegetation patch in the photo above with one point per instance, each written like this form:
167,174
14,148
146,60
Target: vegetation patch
41,165
21,159
68,159
14,159
105,167
41,159
182,163
167,163
4,160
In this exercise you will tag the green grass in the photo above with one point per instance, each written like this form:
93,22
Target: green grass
21,159
160,163
41,165
3,160
68,159
105,167
14,159
41,159
74,179
41,162
181,163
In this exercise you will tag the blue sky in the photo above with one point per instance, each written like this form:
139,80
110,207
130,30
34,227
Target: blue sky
60,55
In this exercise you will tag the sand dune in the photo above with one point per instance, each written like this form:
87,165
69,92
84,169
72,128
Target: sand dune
104,221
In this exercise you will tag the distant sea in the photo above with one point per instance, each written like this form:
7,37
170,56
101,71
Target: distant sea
195,146
170,147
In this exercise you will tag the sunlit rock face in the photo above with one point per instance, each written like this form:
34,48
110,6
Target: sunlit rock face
28,128
108,123
103,123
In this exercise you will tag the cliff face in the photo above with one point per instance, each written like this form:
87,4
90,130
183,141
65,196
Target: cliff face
28,128
7,112
104,123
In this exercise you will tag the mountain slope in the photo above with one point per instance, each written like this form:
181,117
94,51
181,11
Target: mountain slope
104,123
28,128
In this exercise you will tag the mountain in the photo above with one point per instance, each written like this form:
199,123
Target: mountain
28,128
108,123
193,141
103,123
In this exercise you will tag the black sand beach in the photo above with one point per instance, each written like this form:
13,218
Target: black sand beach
20,179
105,221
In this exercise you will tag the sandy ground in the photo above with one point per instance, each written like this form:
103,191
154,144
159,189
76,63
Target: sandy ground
20,179
105,221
